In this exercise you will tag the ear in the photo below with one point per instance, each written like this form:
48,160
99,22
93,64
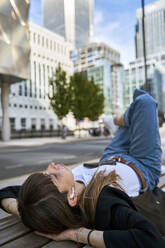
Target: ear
72,201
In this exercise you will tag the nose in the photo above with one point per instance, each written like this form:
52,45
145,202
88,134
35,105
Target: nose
50,166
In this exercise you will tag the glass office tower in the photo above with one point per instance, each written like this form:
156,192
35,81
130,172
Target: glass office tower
154,29
71,19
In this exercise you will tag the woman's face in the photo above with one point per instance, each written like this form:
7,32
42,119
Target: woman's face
61,176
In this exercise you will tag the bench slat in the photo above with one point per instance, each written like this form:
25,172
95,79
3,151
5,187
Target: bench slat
30,240
8,221
12,232
63,244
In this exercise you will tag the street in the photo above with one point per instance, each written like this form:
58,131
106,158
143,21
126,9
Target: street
19,161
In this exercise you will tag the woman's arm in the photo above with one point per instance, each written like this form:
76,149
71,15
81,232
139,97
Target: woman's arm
95,238
130,229
79,235
10,206
8,198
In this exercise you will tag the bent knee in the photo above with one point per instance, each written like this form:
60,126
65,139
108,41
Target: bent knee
145,100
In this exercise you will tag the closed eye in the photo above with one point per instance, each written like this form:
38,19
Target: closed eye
53,174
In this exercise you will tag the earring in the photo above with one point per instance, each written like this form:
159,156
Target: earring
72,194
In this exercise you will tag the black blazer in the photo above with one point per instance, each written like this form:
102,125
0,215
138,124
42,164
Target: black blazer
123,226
117,216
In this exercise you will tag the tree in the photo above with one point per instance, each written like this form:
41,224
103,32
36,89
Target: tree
79,88
96,101
87,98
60,93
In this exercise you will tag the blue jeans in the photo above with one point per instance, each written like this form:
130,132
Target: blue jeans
139,141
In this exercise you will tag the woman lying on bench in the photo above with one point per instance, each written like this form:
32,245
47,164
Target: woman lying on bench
93,205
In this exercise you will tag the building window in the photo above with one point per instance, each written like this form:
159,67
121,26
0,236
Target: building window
26,106
51,124
38,39
12,124
35,82
30,94
43,41
23,123
25,88
44,91
52,71
58,48
48,70
42,124
33,124
20,90
20,106
34,37
39,81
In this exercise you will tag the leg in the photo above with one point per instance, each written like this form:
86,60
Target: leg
145,146
118,145
142,120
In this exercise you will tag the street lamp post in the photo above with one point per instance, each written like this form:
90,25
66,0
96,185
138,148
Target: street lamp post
144,45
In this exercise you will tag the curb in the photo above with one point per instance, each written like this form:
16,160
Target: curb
47,142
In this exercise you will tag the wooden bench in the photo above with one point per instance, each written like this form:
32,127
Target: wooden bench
13,234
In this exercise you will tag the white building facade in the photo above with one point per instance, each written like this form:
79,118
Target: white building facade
154,29
29,104
72,19
96,60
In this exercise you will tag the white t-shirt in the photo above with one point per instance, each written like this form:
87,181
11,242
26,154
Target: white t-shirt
129,179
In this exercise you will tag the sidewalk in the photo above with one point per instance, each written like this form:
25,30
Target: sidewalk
43,141
51,140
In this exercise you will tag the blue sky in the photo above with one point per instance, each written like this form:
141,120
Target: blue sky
114,23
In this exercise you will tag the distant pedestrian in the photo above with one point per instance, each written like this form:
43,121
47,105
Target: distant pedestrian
64,132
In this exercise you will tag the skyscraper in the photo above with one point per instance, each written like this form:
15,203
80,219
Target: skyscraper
71,19
102,62
154,29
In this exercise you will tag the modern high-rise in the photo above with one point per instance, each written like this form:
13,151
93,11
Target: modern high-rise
101,62
154,29
134,78
72,19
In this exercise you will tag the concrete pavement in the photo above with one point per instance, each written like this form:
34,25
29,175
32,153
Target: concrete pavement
51,140
41,141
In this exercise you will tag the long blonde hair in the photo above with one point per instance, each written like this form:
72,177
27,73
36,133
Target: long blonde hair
89,198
